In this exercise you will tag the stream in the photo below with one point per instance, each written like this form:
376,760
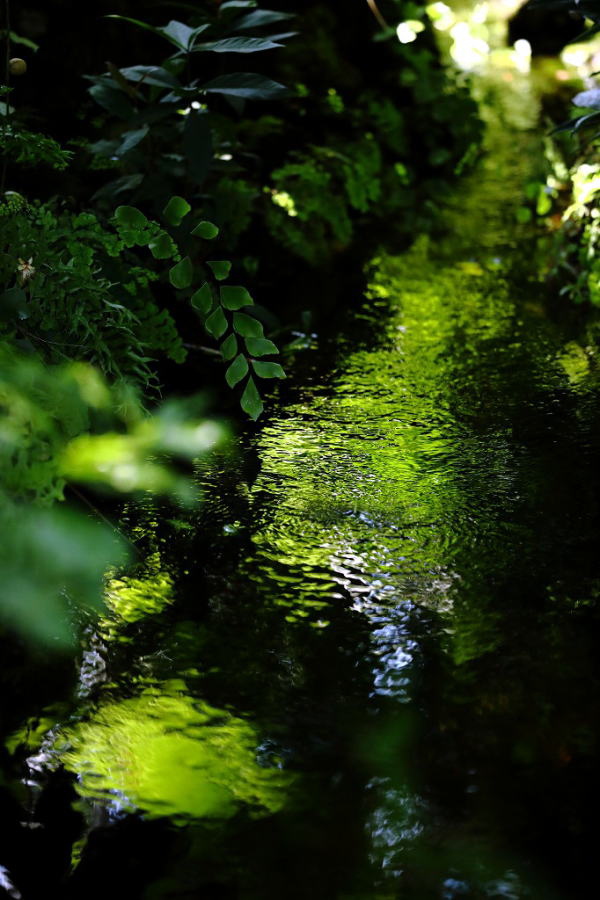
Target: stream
366,666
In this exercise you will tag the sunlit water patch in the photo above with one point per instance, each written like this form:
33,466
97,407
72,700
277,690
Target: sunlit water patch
167,754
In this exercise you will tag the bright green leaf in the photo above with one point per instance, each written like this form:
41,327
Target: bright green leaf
216,324
237,370
260,347
162,246
251,402
202,300
25,42
181,275
247,326
130,217
205,230
233,297
176,210
268,369
220,269
229,347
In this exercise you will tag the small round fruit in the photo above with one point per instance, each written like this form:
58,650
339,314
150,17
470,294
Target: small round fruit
17,66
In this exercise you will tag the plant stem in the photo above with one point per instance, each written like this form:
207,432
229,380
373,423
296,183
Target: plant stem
375,10
104,519
6,122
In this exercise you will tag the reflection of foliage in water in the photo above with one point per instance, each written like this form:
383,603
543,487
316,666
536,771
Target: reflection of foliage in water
131,599
170,755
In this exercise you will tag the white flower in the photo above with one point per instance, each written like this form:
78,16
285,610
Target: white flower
26,270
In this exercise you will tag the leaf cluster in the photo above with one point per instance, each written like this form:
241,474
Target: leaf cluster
64,425
175,107
87,296
225,309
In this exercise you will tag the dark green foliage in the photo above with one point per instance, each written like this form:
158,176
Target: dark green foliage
29,148
574,163
173,104
359,138
579,9
87,297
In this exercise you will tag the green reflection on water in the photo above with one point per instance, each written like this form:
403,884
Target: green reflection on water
130,599
167,754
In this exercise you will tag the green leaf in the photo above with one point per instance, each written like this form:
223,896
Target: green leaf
237,45
176,210
206,230
260,347
179,34
122,185
197,144
259,18
130,217
248,85
220,269
25,42
251,402
247,326
229,347
181,275
523,215
130,140
113,99
154,75
237,370
162,246
216,324
236,4
202,300
175,32
268,369
235,297
138,22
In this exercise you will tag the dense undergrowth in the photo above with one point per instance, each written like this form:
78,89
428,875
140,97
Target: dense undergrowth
230,151
568,195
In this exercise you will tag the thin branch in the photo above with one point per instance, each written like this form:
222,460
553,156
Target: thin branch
201,349
375,10
103,518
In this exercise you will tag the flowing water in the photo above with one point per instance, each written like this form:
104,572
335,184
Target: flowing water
366,667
